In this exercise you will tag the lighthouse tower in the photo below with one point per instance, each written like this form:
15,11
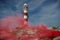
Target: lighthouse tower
25,14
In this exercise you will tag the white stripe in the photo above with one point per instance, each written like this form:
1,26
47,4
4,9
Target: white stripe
25,17
25,11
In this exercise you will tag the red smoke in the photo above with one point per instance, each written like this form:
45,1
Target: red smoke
11,22
8,30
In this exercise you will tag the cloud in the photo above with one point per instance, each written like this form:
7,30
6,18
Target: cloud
47,14
33,4
10,7
40,11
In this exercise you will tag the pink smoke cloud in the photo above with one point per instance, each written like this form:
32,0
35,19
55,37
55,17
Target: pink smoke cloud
8,26
11,22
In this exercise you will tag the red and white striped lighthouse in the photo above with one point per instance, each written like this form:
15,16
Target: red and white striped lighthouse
25,14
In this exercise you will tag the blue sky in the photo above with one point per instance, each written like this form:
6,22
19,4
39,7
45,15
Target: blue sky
40,11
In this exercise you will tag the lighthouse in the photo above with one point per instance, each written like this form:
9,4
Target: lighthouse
25,14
